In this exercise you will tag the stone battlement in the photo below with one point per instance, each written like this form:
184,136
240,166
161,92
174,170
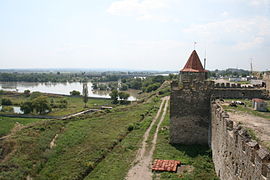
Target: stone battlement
235,154
232,85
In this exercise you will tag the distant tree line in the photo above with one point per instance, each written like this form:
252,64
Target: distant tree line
41,77
145,84
229,73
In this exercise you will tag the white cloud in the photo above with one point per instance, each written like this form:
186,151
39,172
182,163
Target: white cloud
255,42
224,14
258,2
142,10
159,44
244,33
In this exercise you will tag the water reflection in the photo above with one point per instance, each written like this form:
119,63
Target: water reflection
58,88
16,109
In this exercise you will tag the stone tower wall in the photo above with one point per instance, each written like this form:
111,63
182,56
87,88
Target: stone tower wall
190,114
192,76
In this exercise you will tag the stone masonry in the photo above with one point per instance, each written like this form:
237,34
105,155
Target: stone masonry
235,154
190,114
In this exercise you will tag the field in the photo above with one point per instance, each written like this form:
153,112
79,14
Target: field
8,123
82,146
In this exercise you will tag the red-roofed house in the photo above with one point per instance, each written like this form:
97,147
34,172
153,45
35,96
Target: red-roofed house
259,104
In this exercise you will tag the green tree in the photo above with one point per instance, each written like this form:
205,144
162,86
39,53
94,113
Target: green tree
124,87
75,93
26,93
114,96
41,105
85,94
123,97
35,95
26,107
6,102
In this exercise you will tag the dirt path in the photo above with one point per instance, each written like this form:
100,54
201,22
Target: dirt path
141,168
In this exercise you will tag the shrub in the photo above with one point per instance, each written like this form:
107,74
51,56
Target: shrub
26,93
130,127
152,87
41,105
6,102
35,95
75,93
7,109
26,107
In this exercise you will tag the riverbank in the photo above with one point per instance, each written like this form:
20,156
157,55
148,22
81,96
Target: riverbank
74,104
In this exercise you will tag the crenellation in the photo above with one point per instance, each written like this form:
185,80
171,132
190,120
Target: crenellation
235,154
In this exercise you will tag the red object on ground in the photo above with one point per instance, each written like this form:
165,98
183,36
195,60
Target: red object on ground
165,165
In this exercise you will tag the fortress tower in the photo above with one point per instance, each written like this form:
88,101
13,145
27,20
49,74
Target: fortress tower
193,70
190,104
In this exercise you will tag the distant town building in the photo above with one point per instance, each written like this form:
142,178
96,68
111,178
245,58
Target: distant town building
234,79
259,104
256,82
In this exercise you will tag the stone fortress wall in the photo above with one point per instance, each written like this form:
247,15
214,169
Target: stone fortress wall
235,154
236,91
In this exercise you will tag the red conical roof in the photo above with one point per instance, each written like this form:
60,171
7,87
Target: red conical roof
193,64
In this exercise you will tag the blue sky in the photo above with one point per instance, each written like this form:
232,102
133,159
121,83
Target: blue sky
134,34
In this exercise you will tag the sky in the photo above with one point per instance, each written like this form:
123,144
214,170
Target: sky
134,34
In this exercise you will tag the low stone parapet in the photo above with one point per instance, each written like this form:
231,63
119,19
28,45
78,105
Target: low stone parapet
235,154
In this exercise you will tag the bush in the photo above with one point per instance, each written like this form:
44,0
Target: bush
41,105
130,127
26,93
152,87
7,109
6,102
75,93
35,95
26,107
124,87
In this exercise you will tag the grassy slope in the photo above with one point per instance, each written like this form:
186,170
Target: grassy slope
31,152
196,155
81,144
117,163
7,123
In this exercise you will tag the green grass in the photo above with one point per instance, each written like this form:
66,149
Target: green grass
81,145
198,156
7,123
117,163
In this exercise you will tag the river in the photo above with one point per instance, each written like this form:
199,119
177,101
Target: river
59,88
